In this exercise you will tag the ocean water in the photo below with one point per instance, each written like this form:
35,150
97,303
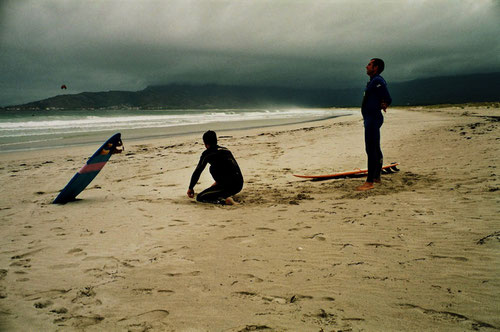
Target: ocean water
22,130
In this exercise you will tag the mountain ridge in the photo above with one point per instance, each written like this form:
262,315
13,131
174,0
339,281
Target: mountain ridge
434,90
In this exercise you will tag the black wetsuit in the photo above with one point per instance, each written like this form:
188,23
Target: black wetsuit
375,93
224,170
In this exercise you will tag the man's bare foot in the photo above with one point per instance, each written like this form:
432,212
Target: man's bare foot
230,201
365,186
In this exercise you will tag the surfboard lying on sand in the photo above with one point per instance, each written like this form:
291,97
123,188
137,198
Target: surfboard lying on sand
90,170
386,169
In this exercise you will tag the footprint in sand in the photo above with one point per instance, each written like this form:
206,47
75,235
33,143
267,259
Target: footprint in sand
42,304
275,299
245,294
253,327
235,237
150,320
265,298
86,296
47,304
104,267
191,274
178,222
324,316
316,236
21,263
250,277
265,229
377,245
130,262
29,253
450,316
58,230
86,232
146,291
59,311
76,252
79,321
215,225
253,260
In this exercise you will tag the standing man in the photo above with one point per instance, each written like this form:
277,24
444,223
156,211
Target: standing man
224,170
376,98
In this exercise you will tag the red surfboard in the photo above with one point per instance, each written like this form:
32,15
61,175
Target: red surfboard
387,169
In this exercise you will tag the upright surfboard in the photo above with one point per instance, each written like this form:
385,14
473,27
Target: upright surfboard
387,169
90,170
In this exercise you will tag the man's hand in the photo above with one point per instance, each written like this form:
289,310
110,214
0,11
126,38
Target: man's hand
190,193
384,106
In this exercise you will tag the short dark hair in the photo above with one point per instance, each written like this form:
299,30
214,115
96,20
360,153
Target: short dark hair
380,64
210,138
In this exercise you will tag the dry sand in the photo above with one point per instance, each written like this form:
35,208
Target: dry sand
420,252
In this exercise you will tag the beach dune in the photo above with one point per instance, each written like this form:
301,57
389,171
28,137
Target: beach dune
420,252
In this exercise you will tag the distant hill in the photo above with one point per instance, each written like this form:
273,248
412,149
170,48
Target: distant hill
448,90
438,90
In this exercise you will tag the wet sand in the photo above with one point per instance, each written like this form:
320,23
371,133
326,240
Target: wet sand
420,252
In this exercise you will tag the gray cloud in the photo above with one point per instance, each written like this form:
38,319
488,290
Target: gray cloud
127,45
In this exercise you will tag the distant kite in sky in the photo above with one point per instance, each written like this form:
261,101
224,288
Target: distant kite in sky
63,87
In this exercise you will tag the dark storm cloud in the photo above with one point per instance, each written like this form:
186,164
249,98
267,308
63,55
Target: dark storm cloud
127,45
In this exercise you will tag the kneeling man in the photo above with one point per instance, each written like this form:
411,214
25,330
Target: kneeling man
224,170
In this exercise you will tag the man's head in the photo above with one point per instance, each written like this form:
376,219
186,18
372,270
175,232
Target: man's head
210,138
375,67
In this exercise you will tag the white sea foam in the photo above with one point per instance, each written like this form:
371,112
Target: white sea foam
62,124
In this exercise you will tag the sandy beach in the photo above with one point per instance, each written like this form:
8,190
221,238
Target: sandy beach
420,252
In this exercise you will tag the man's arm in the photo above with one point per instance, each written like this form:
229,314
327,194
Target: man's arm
196,175
384,105
385,97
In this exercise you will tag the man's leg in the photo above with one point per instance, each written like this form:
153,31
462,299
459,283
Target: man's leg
213,194
379,157
218,194
374,153
375,157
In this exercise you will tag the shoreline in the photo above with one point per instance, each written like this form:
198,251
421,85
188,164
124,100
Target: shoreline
420,252
86,138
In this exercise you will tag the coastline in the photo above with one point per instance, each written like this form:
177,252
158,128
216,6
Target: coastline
68,139
418,253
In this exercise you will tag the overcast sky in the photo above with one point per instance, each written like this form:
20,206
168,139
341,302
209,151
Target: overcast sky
102,45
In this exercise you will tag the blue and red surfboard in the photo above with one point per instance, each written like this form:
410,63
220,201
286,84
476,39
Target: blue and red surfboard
90,170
